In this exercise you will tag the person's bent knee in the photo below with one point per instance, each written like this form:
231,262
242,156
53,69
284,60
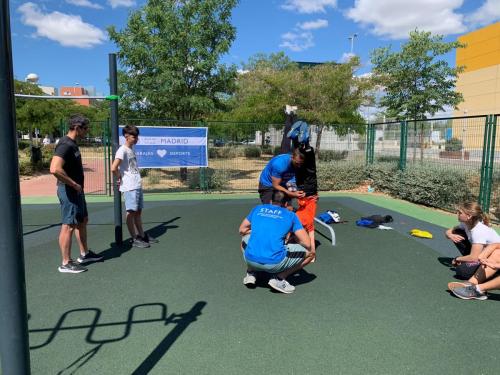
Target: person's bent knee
68,227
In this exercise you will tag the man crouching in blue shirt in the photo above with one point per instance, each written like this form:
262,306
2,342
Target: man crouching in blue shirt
264,232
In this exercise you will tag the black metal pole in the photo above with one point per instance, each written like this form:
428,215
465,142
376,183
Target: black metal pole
113,90
14,344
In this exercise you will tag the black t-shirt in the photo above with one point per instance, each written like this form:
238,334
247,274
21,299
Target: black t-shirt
306,174
68,150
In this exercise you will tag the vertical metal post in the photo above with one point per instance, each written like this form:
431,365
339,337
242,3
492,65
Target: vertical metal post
484,162
113,90
403,145
489,180
14,343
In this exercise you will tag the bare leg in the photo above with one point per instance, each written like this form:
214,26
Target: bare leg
138,223
491,284
130,218
313,244
65,237
484,272
305,262
81,236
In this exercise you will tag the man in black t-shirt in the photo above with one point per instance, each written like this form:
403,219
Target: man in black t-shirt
66,166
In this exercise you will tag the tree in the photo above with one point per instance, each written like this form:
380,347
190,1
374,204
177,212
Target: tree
170,51
46,114
417,82
325,94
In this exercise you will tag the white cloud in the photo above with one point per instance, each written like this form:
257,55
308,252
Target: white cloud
313,25
84,3
309,6
68,30
346,56
297,41
121,3
396,18
487,13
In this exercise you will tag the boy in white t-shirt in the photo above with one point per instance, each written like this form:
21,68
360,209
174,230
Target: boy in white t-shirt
129,179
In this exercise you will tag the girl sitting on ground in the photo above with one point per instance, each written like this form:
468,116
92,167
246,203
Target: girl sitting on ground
470,237
483,280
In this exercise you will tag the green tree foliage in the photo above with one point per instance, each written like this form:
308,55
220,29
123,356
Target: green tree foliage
325,94
170,51
46,114
417,83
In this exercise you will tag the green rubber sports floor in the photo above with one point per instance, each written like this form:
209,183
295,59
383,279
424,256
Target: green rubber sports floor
376,303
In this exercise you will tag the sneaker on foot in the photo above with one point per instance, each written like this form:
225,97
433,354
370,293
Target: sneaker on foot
282,285
71,267
147,238
469,292
138,242
89,257
250,278
458,284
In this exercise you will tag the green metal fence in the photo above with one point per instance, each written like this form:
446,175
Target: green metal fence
417,155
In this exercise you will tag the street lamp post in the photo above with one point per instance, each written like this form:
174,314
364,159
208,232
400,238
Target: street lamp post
351,39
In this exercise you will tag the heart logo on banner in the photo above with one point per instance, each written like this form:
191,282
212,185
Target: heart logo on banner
161,153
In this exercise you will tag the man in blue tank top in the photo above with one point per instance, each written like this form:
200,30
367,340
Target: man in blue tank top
277,173
264,247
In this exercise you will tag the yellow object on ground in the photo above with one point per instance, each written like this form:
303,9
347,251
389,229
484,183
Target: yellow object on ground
420,233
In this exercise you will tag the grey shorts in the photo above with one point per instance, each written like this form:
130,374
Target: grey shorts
295,255
73,205
134,200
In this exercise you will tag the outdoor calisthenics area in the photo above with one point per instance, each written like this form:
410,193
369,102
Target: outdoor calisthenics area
376,302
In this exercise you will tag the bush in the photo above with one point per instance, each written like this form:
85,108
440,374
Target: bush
23,144
331,155
453,144
144,172
224,152
215,179
388,159
277,150
252,152
267,150
423,184
344,175
25,167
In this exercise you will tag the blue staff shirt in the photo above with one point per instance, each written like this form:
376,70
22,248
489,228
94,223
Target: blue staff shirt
279,167
270,224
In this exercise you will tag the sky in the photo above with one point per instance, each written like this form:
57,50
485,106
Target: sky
65,42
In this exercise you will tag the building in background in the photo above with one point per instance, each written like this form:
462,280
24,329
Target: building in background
479,84
480,81
48,90
76,91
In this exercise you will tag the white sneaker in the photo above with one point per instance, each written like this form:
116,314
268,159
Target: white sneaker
282,286
289,109
249,279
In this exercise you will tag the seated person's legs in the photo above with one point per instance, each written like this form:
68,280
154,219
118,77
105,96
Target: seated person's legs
462,246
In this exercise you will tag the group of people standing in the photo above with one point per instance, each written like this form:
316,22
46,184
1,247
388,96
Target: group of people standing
66,165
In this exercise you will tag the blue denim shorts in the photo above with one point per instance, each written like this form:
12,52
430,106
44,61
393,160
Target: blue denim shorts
134,200
73,205
295,254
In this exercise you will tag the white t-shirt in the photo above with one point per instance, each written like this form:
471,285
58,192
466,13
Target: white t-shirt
129,172
481,234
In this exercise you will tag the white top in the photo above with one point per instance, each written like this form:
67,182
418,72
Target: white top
129,171
481,234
